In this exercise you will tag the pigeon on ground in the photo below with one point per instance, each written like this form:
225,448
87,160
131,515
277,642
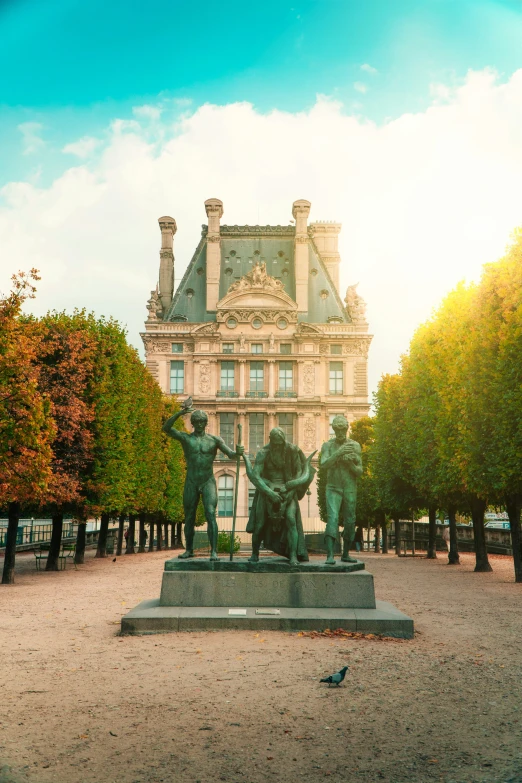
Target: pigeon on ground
336,678
114,560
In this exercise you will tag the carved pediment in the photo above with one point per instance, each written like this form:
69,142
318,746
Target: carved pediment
258,290
308,329
209,328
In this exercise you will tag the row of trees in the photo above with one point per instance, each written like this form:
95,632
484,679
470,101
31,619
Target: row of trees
80,427
447,435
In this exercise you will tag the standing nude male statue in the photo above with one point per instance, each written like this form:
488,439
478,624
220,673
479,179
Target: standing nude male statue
342,463
200,451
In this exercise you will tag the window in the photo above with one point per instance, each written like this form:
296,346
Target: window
228,347
251,493
256,347
286,376
285,348
227,376
225,496
336,377
282,323
257,323
335,349
286,423
177,377
231,323
256,432
226,428
177,347
257,376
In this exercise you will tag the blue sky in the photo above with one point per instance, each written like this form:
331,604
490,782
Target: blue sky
399,118
72,66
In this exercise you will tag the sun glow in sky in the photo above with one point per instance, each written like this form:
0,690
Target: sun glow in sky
400,119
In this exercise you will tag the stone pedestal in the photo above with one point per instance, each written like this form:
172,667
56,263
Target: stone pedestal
269,595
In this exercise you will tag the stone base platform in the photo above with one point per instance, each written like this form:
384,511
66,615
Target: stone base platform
150,617
272,582
198,595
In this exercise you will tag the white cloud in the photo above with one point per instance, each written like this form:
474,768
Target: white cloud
369,69
424,199
147,112
82,148
31,139
360,87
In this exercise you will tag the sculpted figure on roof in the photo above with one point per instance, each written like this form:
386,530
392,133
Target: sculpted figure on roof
257,278
355,304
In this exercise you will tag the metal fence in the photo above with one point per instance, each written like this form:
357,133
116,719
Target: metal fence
36,531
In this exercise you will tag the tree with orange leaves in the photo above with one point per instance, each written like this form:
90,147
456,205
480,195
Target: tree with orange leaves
26,426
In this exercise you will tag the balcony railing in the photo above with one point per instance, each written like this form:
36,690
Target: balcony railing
227,393
286,394
257,394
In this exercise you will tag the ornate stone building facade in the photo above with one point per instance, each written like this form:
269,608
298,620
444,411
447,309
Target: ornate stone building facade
258,335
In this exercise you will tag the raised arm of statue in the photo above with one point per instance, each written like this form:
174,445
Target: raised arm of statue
169,429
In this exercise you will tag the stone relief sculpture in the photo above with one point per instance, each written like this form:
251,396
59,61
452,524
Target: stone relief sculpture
309,379
204,378
257,278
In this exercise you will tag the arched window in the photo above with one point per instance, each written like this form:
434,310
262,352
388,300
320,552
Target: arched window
225,496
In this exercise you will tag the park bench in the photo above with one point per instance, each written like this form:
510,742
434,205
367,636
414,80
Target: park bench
67,551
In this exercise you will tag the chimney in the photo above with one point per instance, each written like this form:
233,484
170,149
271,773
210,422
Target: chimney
326,237
166,271
300,212
214,210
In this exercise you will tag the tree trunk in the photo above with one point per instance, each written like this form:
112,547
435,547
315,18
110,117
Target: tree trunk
79,552
513,509
478,507
179,541
377,538
453,556
151,536
167,529
129,549
159,537
53,562
102,535
121,531
13,517
384,528
397,525
142,538
431,554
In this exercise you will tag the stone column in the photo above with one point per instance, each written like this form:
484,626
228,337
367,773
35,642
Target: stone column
189,385
242,363
300,212
214,210
212,423
271,377
213,376
166,271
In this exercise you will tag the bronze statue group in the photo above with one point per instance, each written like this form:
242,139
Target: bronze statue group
281,475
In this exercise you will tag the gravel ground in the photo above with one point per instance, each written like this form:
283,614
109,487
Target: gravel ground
81,704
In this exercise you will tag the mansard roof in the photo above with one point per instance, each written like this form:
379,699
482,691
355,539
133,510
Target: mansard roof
241,248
